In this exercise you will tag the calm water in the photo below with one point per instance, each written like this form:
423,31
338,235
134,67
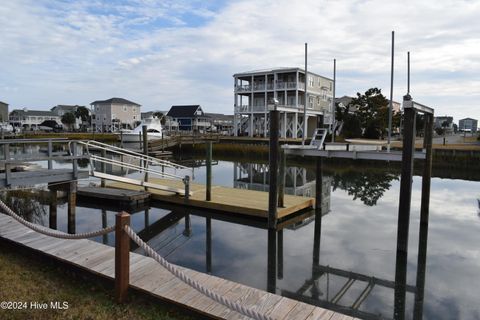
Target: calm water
358,239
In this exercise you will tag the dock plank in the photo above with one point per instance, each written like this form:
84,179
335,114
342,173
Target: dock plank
150,277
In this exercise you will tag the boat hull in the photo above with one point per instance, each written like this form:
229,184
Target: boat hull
135,137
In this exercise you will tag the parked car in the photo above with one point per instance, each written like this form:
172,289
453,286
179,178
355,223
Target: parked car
50,125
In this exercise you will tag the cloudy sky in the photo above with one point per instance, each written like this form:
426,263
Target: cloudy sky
159,53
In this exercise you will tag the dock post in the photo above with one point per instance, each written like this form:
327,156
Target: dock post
209,171
424,217
272,261
273,169
72,206
52,212
188,229
280,254
140,140
8,172
103,168
121,139
104,225
74,161
145,152
49,153
318,211
404,210
209,245
282,174
122,256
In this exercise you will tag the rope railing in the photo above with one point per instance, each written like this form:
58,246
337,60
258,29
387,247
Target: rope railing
175,270
55,234
249,312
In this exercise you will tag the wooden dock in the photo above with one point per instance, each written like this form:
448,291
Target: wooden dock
230,200
149,277
131,197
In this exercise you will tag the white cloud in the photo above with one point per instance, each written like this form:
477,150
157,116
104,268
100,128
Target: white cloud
162,53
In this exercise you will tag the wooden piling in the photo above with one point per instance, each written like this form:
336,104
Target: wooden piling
272,261
145,152
49,153
74,161
122,256
318,211
273,169
208,195
280,254
209,244
404,212
52,212
424,217
104,225
72,206
8,172
282,175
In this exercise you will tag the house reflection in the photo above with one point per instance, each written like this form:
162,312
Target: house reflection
298,181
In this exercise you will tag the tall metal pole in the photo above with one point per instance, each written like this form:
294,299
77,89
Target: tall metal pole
273,169
333,98
408,73
306,100
390,106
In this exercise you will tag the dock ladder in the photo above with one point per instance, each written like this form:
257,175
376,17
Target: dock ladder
318,137
132,161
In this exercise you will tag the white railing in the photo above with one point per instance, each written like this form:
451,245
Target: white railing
135,161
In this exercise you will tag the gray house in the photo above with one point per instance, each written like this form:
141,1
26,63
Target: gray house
31,119
114,114
62,109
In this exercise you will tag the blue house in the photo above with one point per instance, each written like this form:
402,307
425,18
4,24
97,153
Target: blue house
190,118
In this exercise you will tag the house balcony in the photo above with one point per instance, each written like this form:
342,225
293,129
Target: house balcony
263,108
258,87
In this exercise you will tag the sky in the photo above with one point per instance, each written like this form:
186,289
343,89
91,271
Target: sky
164,53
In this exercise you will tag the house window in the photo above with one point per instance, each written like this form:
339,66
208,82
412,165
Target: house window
124,108
134,117
134,110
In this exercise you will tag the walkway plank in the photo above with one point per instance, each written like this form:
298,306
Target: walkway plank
149,276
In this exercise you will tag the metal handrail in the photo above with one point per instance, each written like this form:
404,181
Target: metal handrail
133,166
126,152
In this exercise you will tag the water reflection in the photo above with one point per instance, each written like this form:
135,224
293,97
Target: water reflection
344,261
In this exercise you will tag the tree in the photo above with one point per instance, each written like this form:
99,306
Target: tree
68,119
82,113
160,116
372,112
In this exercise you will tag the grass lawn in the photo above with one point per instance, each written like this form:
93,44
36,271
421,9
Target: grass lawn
25,278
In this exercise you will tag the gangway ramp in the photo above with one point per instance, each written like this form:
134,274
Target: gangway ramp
132,161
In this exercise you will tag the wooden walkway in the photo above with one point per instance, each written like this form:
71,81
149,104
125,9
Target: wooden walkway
231,200
148,276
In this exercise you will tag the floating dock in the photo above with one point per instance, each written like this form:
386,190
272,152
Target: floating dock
148,276
230,200
130,197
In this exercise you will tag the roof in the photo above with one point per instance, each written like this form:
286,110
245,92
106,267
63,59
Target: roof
4,103
33,113
277,70
468,119
183,111
116,101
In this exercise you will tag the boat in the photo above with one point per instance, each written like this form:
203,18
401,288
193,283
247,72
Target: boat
154,131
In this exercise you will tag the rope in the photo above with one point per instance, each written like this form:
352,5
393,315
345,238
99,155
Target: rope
249,312
49,232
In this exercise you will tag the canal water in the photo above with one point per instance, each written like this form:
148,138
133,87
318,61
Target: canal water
350,266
